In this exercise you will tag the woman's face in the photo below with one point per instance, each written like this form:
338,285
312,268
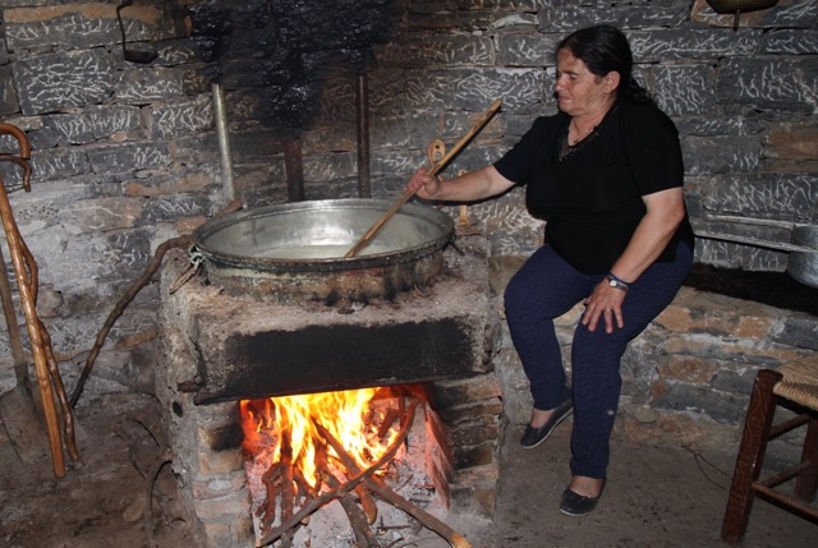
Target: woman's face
579,91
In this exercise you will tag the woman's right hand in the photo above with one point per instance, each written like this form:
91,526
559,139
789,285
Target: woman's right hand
424,184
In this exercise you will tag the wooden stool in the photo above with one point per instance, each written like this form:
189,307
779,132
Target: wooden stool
794,386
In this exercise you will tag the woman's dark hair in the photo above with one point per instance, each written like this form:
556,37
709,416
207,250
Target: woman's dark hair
603,49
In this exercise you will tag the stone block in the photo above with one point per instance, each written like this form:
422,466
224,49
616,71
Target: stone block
721,155
53,164
778,84
748,352
735,381
690,369
223,508
330,167
574,16
219,462
129,157
755,327
102,214
139,86
723,407
8,95
521,49
477,431
89,260
219,486
708,126
791,143
684,89
790,42
78,25
453,20
460,413
799,330
428,50
474,90
516,21
445,394
181,117
477,455
650,46
167,208
787,196
793,14
731,255
62,80
94,124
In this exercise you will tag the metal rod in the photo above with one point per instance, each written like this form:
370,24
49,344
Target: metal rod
756,242
362,104
752,221
224,141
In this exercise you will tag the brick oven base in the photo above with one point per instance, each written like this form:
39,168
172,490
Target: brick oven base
218,348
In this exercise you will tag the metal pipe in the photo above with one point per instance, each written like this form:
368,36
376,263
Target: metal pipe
219,113
755,242
362,104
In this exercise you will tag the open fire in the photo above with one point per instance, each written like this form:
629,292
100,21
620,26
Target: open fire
288,426
306,451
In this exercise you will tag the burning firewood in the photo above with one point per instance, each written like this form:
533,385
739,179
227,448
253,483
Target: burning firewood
344,488
378,487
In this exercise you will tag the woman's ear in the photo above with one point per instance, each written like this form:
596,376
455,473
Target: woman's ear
612,80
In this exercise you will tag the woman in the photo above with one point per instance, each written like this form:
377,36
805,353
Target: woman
606,175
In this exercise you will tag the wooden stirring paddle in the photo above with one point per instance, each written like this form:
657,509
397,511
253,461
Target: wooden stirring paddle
373,230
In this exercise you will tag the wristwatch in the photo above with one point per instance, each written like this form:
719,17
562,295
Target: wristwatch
616,283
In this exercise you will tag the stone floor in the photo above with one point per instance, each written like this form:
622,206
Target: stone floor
656,496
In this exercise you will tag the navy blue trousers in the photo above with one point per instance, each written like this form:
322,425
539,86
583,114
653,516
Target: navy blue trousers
546,287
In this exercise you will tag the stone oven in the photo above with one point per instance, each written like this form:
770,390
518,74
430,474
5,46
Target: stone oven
126,156
219,348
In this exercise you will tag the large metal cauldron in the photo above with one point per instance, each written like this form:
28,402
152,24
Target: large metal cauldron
292,251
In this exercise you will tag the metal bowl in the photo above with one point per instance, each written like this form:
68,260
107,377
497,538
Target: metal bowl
803,265
296,250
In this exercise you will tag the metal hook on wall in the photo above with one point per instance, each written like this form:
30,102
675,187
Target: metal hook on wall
134,56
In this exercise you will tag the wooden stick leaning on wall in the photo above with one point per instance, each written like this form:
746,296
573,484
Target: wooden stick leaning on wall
25,270
373,230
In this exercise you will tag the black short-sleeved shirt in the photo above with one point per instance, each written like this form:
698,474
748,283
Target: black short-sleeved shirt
591,197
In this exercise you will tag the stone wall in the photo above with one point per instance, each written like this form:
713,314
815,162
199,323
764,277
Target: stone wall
125,155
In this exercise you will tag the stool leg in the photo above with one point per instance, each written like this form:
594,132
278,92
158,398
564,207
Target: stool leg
750,457
806,484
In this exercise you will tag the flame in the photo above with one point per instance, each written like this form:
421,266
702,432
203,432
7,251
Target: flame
268,422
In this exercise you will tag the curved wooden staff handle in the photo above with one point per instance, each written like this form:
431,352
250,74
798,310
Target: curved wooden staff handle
25,152
25,269
373,230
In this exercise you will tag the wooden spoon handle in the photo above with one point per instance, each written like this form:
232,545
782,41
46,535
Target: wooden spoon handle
407,194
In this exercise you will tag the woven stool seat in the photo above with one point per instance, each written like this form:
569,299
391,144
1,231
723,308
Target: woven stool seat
799,382
795,386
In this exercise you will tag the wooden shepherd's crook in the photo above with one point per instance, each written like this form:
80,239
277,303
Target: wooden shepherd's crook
373,230
25,270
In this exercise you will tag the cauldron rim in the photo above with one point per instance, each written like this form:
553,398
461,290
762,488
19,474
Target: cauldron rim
220,258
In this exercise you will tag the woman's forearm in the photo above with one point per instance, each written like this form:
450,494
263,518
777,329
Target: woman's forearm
472,186
655,230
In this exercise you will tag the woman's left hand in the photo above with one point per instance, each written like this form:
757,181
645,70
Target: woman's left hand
605,302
